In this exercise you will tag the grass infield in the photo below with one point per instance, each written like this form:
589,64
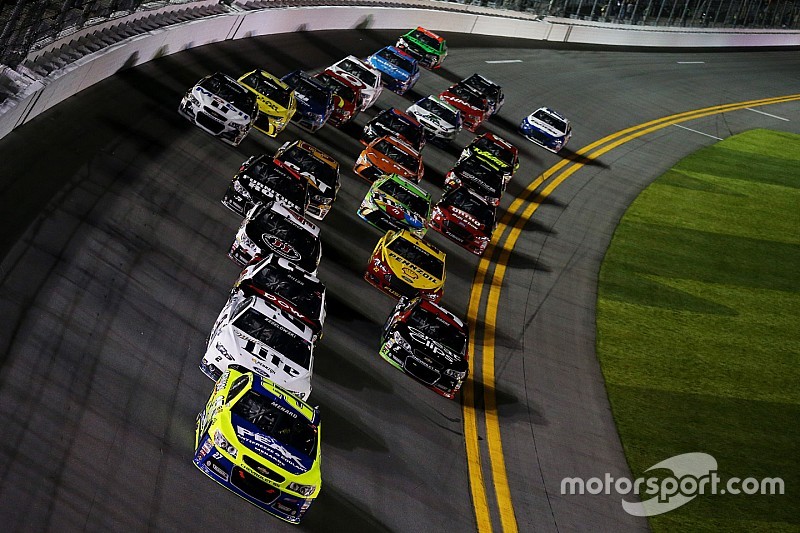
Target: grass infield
698,322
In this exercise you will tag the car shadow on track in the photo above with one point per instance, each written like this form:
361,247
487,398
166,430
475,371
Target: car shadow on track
344,434
334,511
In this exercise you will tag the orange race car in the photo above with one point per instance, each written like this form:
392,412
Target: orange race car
388,155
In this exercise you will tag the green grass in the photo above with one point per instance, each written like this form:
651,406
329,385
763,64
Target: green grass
698,323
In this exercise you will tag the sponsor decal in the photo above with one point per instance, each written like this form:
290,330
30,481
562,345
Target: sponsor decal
278,406
217,470
406,263
463,216
489,156
434,347
281,247
410,273
220,102
270,448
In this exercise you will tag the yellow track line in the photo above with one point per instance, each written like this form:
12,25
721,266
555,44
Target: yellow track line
493,437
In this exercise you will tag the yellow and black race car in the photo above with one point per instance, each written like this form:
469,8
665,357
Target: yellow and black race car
276,101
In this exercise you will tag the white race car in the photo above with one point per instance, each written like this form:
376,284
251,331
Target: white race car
440,119
547,128
252,332
220,106
369,78
272,227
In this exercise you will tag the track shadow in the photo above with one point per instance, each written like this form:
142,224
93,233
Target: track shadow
340,369
334,511
276,60
568,154
345,310
347,433
447,74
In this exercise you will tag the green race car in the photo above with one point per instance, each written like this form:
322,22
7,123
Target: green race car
395,203
261,443
425,46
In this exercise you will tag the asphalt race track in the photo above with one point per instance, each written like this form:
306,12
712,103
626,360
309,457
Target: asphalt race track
114,267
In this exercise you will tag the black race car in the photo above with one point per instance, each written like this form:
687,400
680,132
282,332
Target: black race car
479,176
318,168
261,178
314,100
396,123
489,89
428,343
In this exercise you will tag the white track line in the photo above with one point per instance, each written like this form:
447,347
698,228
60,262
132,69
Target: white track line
506,61
769,115
695,131
691,62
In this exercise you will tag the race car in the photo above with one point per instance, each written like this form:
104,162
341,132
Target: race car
393,202
346,96
399,71
368,75
479,176
428,343
260,179
388,155
261,443
218,105
474,107
425,46
276,101
547,128
273,228
464,217
495,151
440,119
287,286
252,332
397,124
488,89
320,169
314,100
402,264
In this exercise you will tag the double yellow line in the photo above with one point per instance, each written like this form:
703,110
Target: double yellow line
497,255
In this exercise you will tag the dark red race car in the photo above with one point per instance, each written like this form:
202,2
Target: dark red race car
464,217
473,106
346,96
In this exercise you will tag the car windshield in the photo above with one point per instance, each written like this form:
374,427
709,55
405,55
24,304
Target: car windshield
436,107
485,144
419,257
396,123
267,87
358,71
286,235
426,39
277,337
461,198
415,203
438,329
398,155
230,91
304,295
338,87
308,162
280,423
397,60
266,176
552,120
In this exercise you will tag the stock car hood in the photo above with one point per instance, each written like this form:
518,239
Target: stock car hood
266,361
479,184
409,272
463,105
422,344
220,106
323,187
282,455
543,126
492,159
389,166
397,211
464,219
269,243
432,120
309,106
392,70
259,191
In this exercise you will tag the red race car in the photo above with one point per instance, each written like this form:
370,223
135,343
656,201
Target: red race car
346,96
464,217
473,106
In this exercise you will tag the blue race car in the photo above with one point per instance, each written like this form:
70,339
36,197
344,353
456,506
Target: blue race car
314,100
399,71
547,128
